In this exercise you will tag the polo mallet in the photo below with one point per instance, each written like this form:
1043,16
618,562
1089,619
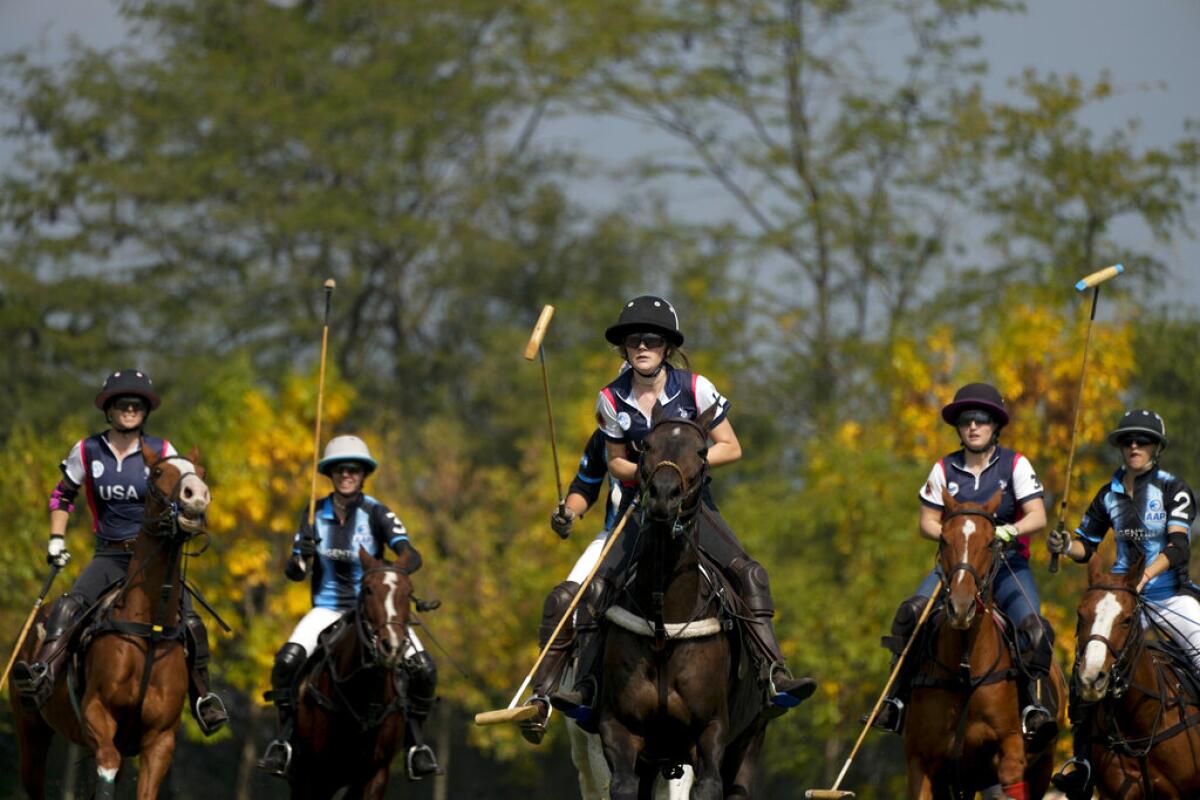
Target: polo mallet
1094,280
312,497
834,793
535,347
41,598
514,714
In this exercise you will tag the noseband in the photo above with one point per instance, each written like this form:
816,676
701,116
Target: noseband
166,524
369,639
982,585
1123,659
689,500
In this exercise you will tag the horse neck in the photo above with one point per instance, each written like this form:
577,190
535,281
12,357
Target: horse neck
143,591
1139,709
349,654
981,638
672,568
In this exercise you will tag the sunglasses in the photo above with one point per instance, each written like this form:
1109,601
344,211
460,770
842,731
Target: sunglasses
129,404
350,469
976,416
653,341
1135,441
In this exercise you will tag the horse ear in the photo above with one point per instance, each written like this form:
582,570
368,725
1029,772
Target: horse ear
948,501
366,558
194,457
705,419
656,414
993,503
1135,568
1095,569
149,454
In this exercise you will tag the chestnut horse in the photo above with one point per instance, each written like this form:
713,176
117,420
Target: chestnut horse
669,694
135,673
1145,732
350,713
963,734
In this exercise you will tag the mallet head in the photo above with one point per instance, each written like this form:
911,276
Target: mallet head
1099,276
828,794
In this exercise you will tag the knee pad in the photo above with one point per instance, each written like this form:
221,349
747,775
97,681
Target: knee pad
1035,640
754,585
422,683
594,604
556,603
288,661
66,610
197,636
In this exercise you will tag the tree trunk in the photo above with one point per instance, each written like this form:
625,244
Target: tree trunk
247,759
441,784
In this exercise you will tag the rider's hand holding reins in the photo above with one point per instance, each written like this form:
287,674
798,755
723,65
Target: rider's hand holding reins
1006,533
57,554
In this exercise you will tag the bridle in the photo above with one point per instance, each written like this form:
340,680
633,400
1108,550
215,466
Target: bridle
165,525
369,637
690,491
983,584
1125,659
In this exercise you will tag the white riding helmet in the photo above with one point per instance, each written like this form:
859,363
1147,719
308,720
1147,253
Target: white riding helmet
346,448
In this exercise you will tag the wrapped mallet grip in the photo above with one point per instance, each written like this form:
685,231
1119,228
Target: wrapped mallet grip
539,332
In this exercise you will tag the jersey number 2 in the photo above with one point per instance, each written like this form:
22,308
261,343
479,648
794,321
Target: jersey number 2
1184,500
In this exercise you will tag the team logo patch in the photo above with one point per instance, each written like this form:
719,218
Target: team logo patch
624,421
97,468
1003,484
1155,513
1037,485
952,488
362,537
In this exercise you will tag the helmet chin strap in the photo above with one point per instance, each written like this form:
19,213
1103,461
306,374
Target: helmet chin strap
653,374
119,428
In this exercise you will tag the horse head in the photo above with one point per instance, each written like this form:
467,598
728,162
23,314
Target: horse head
967,555
673,464
384,607
178,495
1107,629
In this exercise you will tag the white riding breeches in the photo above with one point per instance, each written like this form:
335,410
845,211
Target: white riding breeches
1179,617
318,619
591,555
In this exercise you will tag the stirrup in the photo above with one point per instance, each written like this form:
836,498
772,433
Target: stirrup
409,766
32,682
793,697
534,728
1041,735
278,751
890,717
215,708
1069,783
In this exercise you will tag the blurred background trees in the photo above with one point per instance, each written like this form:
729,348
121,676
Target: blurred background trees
892,232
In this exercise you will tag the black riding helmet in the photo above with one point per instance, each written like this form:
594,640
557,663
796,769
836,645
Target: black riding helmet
125,382
646,314
1140,420
982,396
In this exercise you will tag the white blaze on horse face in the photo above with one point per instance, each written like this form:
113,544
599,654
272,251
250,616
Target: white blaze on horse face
968,528
107,774
193,491
391,579
1107,611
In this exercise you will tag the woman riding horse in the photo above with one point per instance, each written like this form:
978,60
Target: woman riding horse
973,474
111,468
1150,512
648,336
346,520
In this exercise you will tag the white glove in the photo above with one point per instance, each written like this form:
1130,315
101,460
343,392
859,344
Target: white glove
1006,533
56,552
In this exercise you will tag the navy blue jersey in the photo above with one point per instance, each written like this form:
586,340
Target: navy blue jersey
685,395
1139,523
337,571
593,476
1006,471
116,487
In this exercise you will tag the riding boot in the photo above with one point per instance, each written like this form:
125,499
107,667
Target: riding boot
549,673
784,691
578,703
1075,779
35,681
422,693
892,709
206,706
288,663
1038,722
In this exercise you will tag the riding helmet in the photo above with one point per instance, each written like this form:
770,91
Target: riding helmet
1140,420
346,448
982,396
127,382
646,313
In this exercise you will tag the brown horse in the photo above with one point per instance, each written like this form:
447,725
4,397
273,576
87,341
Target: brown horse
963,734
669,692
135,674
350,717
1145,732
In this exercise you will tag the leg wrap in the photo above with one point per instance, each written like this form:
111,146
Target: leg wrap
556,603
422,684
288,662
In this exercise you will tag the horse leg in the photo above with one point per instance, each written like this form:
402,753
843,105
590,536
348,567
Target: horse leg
34,737
103,728
158,747
621,751
741,763
1011,768
710,750
920,786
373,786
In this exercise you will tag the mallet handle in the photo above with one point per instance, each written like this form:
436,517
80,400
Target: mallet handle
41,598
312,495
539,332
1099,276
493,717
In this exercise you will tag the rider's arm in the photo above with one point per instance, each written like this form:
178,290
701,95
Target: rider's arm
931,523
1034,517
1174,555
619,463
1091,530
591,477
725,448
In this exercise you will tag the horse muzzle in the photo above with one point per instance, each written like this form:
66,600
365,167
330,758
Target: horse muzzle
961,614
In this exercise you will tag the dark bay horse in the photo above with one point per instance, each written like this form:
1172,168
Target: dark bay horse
1145,730
135,673
963,734
669,693
350,715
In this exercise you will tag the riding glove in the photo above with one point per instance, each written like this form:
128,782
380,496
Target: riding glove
1006,533
561,521
307,542
296,568
56,552
1058,541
